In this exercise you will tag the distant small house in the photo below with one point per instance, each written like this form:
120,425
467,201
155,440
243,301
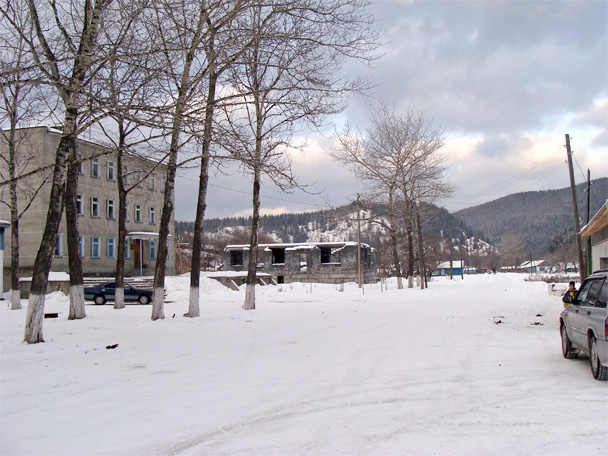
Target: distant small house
457,268
534,266
597,231
317,262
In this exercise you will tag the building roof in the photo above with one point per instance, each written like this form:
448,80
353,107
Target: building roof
597,223
4,224
296,245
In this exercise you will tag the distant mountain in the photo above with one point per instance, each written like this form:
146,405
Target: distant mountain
338,224
543,219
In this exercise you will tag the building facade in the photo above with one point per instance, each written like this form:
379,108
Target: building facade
596,231
97,202
317,262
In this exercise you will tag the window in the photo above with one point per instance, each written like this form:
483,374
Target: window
110,171
138,213
151,216
325,255
110,213
163,182
95,167
125,175
278,256
236,258
58,245
94,206
151,250
81,246
137,177
110,247
151,181
94,246
80,166
79,209
127,251
126,211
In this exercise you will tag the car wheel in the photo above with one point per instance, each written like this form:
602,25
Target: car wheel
99,299
567,349
599,372
144,299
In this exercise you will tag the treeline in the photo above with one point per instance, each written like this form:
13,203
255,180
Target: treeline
542,219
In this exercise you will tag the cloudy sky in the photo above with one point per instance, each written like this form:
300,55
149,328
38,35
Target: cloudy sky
506,79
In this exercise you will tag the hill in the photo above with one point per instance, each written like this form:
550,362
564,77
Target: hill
542,219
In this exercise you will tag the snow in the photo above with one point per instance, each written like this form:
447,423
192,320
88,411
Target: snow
54,276
466,367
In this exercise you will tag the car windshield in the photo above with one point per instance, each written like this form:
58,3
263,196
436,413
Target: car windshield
110,285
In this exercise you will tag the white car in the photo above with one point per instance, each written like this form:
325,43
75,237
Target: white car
584,324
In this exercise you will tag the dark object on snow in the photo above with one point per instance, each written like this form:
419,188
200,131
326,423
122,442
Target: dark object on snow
497,322
111,347
539,315
537,323
106,292
51,315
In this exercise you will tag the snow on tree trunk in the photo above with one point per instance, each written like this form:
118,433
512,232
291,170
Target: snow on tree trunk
399,282
158,298
76,302
249,297
119,297
15,299
193,307
33,319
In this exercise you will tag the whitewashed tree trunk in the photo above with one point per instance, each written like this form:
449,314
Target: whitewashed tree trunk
399,283
410,281
33,319
119,298
193,307
76,302
15,299
158,299
249,297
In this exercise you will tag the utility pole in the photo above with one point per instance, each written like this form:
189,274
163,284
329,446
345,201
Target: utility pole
577,224
359,241
589,257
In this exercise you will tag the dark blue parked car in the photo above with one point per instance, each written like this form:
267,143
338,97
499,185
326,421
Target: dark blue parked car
105,292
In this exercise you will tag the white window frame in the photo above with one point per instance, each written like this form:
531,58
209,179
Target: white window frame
95,167
152,182
110,209
151,249
110,174
94,202
95,248
81,245
79,208
137,213
152,215
127,249
110,247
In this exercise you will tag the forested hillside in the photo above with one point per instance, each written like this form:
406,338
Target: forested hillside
543,219
337,224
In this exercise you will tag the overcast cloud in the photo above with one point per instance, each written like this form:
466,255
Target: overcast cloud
507,80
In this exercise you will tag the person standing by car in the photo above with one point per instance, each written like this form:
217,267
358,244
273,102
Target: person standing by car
571,293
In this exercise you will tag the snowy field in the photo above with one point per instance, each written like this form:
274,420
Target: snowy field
309,372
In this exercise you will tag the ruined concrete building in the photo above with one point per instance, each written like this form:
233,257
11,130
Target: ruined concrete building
317,262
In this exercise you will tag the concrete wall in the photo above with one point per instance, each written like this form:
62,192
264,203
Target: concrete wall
303,264
41,144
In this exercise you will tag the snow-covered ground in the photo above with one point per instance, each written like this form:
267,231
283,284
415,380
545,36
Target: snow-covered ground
311,371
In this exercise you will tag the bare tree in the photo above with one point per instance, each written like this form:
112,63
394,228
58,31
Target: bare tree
22,103
399,155
65,49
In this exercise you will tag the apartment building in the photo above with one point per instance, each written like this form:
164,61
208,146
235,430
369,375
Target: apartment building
97,202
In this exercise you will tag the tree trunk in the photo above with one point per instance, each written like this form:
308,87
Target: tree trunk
394,241
421,251
76,311
119,273
44,257
201,206
253,242
410,255
15,285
